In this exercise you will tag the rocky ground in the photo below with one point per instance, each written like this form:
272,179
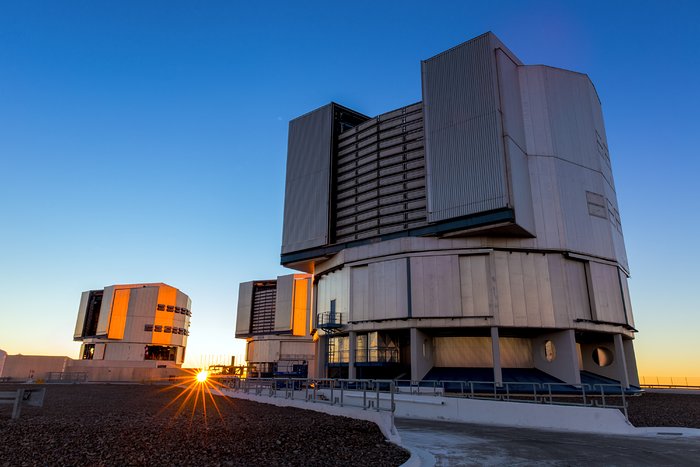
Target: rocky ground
100,425
654,409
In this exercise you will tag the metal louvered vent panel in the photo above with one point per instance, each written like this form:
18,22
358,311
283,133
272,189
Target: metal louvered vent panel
263,310
380,176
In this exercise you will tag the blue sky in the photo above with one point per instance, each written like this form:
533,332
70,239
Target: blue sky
146,142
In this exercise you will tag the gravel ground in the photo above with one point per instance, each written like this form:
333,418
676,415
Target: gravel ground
100,425
654,409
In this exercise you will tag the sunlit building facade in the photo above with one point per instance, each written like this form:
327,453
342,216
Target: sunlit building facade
474,234
137,325
274,316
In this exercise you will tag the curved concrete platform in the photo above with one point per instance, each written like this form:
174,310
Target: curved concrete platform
453,444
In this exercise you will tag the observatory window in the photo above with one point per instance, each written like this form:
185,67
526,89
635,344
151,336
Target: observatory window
88,352
92,313
602,356
160,352
550,351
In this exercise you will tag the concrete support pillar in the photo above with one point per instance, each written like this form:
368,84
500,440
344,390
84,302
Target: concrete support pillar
352,371
563,356
321,356
623,376
631,360
422,359
496,351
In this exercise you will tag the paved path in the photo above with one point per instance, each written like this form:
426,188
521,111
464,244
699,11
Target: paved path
466,444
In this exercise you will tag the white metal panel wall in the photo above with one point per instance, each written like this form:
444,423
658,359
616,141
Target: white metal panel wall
283,304
435,286
141,311
82,310
568,156
388,293
578,296
244,309
475,278
306,198
605,284
296,350
105,311
523,289
465,165
626,298
570,117
359,290
510,104
264,351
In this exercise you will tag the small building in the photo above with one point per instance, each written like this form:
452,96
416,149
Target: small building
30,367
135,325
274,316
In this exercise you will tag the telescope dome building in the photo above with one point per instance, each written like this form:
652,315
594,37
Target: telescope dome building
473,235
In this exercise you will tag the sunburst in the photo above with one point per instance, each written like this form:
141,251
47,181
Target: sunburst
197,385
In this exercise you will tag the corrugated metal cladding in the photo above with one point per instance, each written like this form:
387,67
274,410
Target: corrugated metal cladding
380,176
306,197
466,169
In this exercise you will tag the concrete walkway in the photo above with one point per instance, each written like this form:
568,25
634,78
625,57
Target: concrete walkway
448,444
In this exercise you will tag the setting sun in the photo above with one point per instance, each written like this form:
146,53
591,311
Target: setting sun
202,376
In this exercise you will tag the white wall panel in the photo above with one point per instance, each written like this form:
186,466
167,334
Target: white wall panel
475,280
388,295
578,302
626,298
244,309
105,311
605,283
283,303
435,286
82,310
359,290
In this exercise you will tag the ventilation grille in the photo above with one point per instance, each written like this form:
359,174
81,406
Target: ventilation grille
380,176
263,313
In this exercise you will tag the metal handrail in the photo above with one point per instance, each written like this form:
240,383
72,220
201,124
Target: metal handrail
341,392
346,392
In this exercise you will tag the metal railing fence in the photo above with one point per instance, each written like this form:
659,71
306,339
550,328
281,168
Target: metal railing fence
379,394
610,396
365,394
680,382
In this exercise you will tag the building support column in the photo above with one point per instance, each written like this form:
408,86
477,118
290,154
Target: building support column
352,371
422,359
562,361
321,356
631,361
621,361
496,352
